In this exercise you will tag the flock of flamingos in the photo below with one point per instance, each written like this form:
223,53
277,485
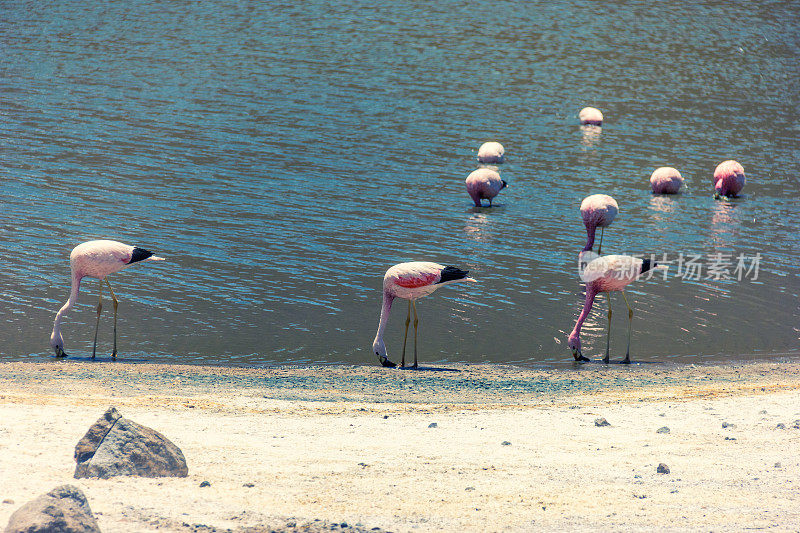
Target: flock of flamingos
413,280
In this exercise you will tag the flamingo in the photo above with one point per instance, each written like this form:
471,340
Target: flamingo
484,183
491,152
597,210
606,274
728,178
591,116
97,259
666,180
411,281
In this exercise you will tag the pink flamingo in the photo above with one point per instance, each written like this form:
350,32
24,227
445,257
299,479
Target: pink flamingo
484,183
728,178
591,116
97,259
491,152
411,281
597,210
666,180
606,274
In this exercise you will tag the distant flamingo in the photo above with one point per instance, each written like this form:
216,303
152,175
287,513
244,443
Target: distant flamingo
597,210
491,152
666,180
484,183
97,259
411,281
606,274
728,178
591,116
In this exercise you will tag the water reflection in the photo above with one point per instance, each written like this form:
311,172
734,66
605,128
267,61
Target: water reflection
590,136
479,227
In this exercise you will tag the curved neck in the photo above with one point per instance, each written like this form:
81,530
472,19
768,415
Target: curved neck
591,292
73,297
590,231
385,308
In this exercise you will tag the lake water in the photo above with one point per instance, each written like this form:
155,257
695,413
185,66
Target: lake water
283,156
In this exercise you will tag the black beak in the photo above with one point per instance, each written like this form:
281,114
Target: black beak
385,362
60,352
505,183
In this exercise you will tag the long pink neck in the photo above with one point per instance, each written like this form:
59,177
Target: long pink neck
590,231
385,308
73,297
591,292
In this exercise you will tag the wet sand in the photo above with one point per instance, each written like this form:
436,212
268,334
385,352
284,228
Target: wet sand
462,448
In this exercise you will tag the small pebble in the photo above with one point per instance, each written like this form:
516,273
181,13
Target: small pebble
469,489
385,417
600,422
763,412
777,465
730,438
664,429
205,484
433,425
662,468
248,485
728,425
505,443
781,426
12,501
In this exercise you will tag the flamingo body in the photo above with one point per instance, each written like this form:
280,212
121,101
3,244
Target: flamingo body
491,152
411,281
96,259
606,274
591,116
597,211
729,178
666,180
484,183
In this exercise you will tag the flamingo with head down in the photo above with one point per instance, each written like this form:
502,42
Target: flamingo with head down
97,259
597,211
606,274
411,281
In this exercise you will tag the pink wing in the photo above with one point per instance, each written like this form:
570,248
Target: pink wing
417,280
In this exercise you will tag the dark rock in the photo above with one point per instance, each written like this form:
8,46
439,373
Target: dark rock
10,502
116,446
664,429
601,422
730,438
505,443
728,425
249,485
433,425
62,510
205,484
781,426
662,468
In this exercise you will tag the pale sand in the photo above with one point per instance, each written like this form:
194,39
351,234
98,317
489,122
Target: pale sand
353,444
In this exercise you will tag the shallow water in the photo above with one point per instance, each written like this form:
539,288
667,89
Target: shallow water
283,157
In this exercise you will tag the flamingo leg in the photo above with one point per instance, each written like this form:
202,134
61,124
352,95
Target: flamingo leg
116,303
97,324
627,359
600,247
608,336
405,337
416,321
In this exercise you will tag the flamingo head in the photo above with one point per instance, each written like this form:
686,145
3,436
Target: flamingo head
575,345
57,343
380,350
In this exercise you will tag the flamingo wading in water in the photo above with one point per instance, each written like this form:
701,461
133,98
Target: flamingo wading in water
411,281
597,210
606,274
97,259
484,183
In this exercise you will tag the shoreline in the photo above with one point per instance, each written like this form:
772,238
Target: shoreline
512,448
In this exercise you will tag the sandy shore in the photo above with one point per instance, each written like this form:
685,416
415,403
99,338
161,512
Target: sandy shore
511,450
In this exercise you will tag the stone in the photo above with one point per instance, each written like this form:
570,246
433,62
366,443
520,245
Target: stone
726,425
62,510
664,429
433,425
601,422
205,484
505,443
116,446
662,468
